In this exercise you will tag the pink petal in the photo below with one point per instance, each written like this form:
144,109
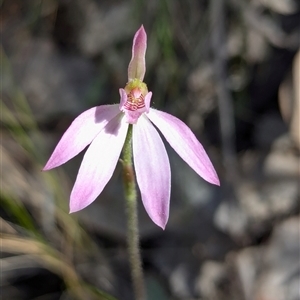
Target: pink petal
81,133
98,164
184,142
152,169
123,96
147,101
137,65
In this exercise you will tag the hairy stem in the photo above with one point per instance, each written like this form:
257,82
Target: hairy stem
132,220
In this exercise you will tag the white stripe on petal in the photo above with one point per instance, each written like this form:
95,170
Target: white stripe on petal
152,169
99,163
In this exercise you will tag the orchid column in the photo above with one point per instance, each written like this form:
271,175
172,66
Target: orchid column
109,129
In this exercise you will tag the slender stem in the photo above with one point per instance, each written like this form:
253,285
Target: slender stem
132,220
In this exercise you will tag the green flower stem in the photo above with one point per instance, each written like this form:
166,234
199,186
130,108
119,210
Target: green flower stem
132,219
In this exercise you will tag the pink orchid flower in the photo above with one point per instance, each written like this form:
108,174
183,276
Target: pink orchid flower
105,127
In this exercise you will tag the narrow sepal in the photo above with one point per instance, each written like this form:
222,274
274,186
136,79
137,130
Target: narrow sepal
98,164
81,133
137,65
184,142
152,169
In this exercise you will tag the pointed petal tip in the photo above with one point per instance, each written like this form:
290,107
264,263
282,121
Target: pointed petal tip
163,226
141,38
51,164
75,205
141,30
160,223
46,168
160,220
73,210
213,178
210,176
214,182
217,181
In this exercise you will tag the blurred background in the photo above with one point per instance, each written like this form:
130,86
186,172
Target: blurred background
231,71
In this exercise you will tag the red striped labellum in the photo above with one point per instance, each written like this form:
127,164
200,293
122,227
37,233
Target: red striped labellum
135,100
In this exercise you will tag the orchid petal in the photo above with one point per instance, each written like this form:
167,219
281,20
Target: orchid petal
137,65
184,142
81,133
99,163
152,169
147,101
123,97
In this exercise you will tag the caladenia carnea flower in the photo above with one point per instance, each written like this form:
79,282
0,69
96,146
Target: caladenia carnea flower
105,127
